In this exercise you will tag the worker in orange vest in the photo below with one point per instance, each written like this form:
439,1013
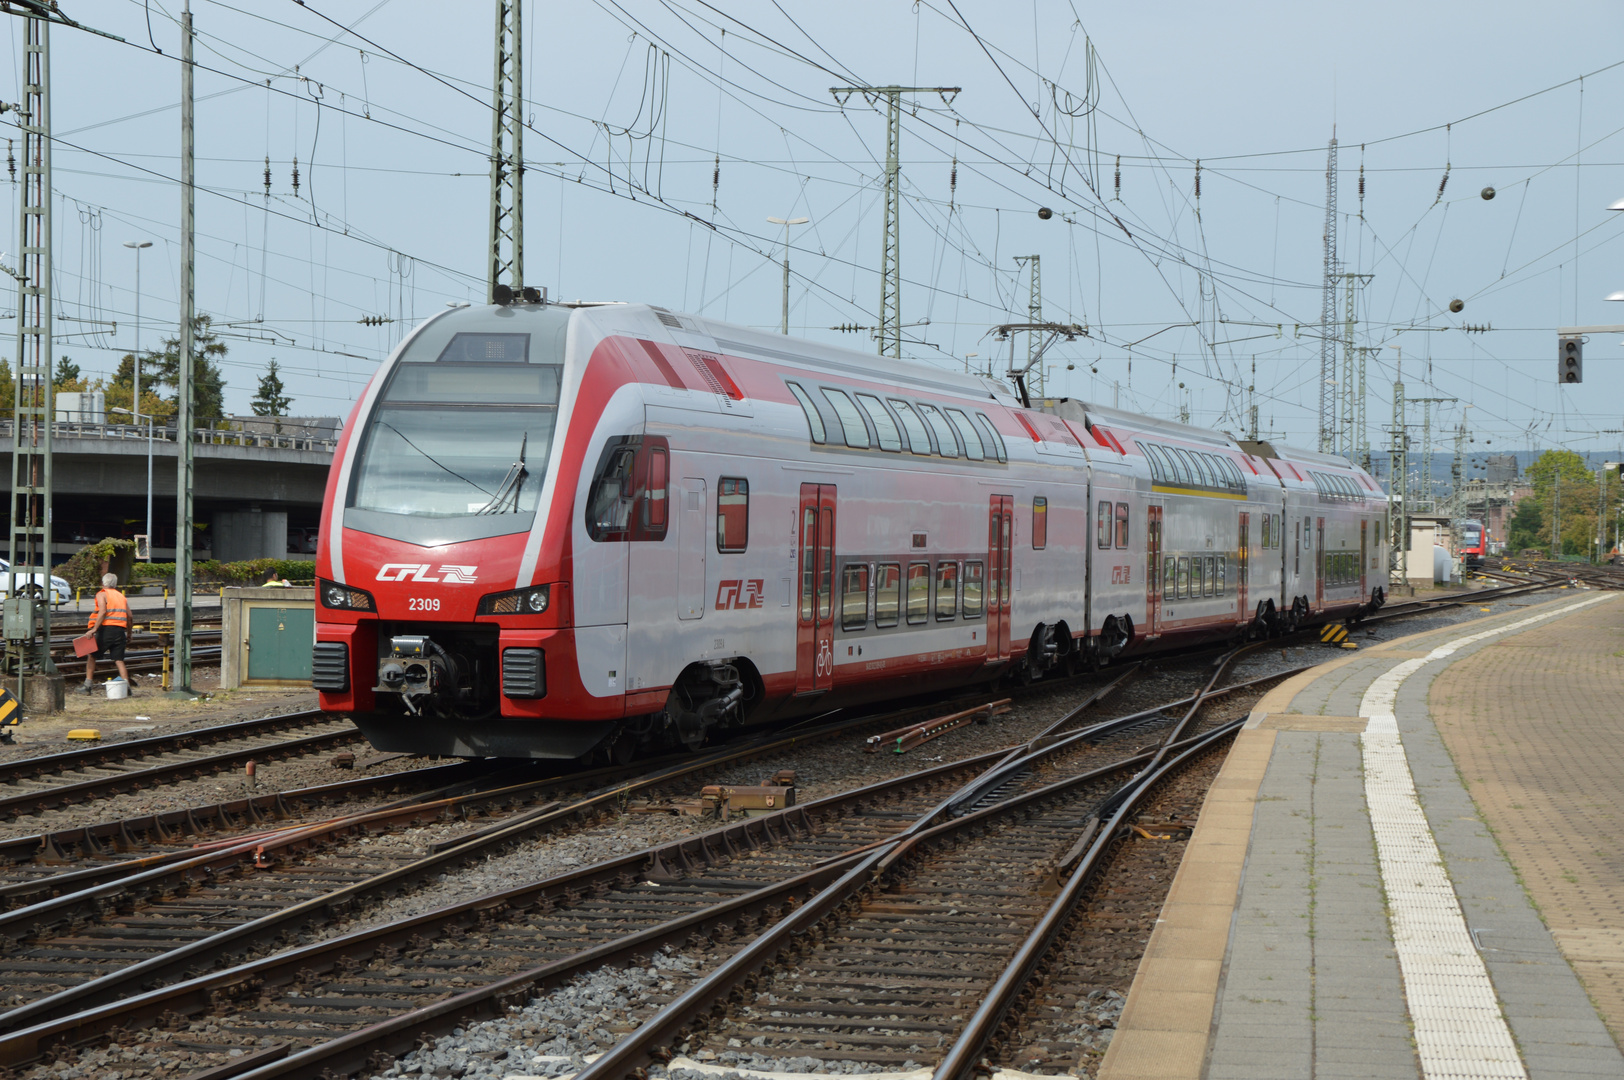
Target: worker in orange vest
110,625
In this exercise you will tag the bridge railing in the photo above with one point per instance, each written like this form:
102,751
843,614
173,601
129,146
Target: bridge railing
206,436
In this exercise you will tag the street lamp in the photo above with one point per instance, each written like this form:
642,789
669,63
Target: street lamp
127,412
786,223
135,402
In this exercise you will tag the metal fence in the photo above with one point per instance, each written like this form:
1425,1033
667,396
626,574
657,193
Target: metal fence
201,436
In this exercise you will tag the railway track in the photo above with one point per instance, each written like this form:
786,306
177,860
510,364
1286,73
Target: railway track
32,785
75,936
353,998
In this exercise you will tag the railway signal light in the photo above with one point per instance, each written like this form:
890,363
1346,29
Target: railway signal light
1570,358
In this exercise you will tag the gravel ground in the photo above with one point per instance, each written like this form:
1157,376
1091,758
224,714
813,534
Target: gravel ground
554,1035
821,769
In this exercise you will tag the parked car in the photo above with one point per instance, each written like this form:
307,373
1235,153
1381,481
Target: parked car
61,591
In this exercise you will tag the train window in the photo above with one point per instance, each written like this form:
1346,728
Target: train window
1170,464
732,513
991,439
972,590
887,594
967,432
1212,575
1197,578
813,420
654,502
1040,523
1296,548
918,437
609,511
1155,464
854,597
1203,465
850,419
1279,534
884,426
1102,526
1265,534
918,592
1121,525
1184,576
946,442
1184,468
826,563
1170,578
1218,582
947,590
1236,480
809,556
1219,480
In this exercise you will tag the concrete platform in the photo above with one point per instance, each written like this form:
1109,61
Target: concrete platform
1411,865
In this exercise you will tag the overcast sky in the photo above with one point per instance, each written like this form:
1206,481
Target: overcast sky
664,132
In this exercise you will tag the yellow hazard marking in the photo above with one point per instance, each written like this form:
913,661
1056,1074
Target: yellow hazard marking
88,733
1333,634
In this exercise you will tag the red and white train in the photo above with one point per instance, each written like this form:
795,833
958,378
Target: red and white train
556,529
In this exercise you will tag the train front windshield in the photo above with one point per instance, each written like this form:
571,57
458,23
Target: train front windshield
1474,538
465,424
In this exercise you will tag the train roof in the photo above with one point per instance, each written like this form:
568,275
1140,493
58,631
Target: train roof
1298,456
1079,411
831,360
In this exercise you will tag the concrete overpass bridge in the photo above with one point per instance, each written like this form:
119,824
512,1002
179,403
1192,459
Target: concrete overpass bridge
256,493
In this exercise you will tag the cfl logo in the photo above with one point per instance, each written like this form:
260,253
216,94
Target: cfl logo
739,595
450,575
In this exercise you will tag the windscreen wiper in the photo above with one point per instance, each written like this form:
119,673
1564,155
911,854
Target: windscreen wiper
513,482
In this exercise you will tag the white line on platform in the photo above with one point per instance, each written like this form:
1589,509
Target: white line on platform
1460,1033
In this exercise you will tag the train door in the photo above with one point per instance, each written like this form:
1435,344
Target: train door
1319,563
1000,531
692,536
815,615
1243,560
1153,570
1364,554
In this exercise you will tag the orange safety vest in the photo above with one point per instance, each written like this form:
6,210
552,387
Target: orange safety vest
114,612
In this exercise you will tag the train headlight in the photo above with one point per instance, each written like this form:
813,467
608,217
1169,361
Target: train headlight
344,598
531,601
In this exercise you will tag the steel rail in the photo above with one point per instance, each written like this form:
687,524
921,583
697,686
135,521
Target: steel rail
964,1057
101,1009
122,1000
28,768
651,1043
171,772
271,929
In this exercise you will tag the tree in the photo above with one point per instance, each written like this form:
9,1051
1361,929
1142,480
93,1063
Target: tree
122,389
1526,528
1567,495
66,378
270,400
208,385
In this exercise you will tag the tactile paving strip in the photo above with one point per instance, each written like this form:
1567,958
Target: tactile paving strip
1460,1032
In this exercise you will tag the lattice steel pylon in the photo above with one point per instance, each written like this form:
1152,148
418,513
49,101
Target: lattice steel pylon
1327,379
506,257
1350,430
30,512
889,332
1034,311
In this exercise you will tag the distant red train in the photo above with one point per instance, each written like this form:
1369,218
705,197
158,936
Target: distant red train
558,530
1471,542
